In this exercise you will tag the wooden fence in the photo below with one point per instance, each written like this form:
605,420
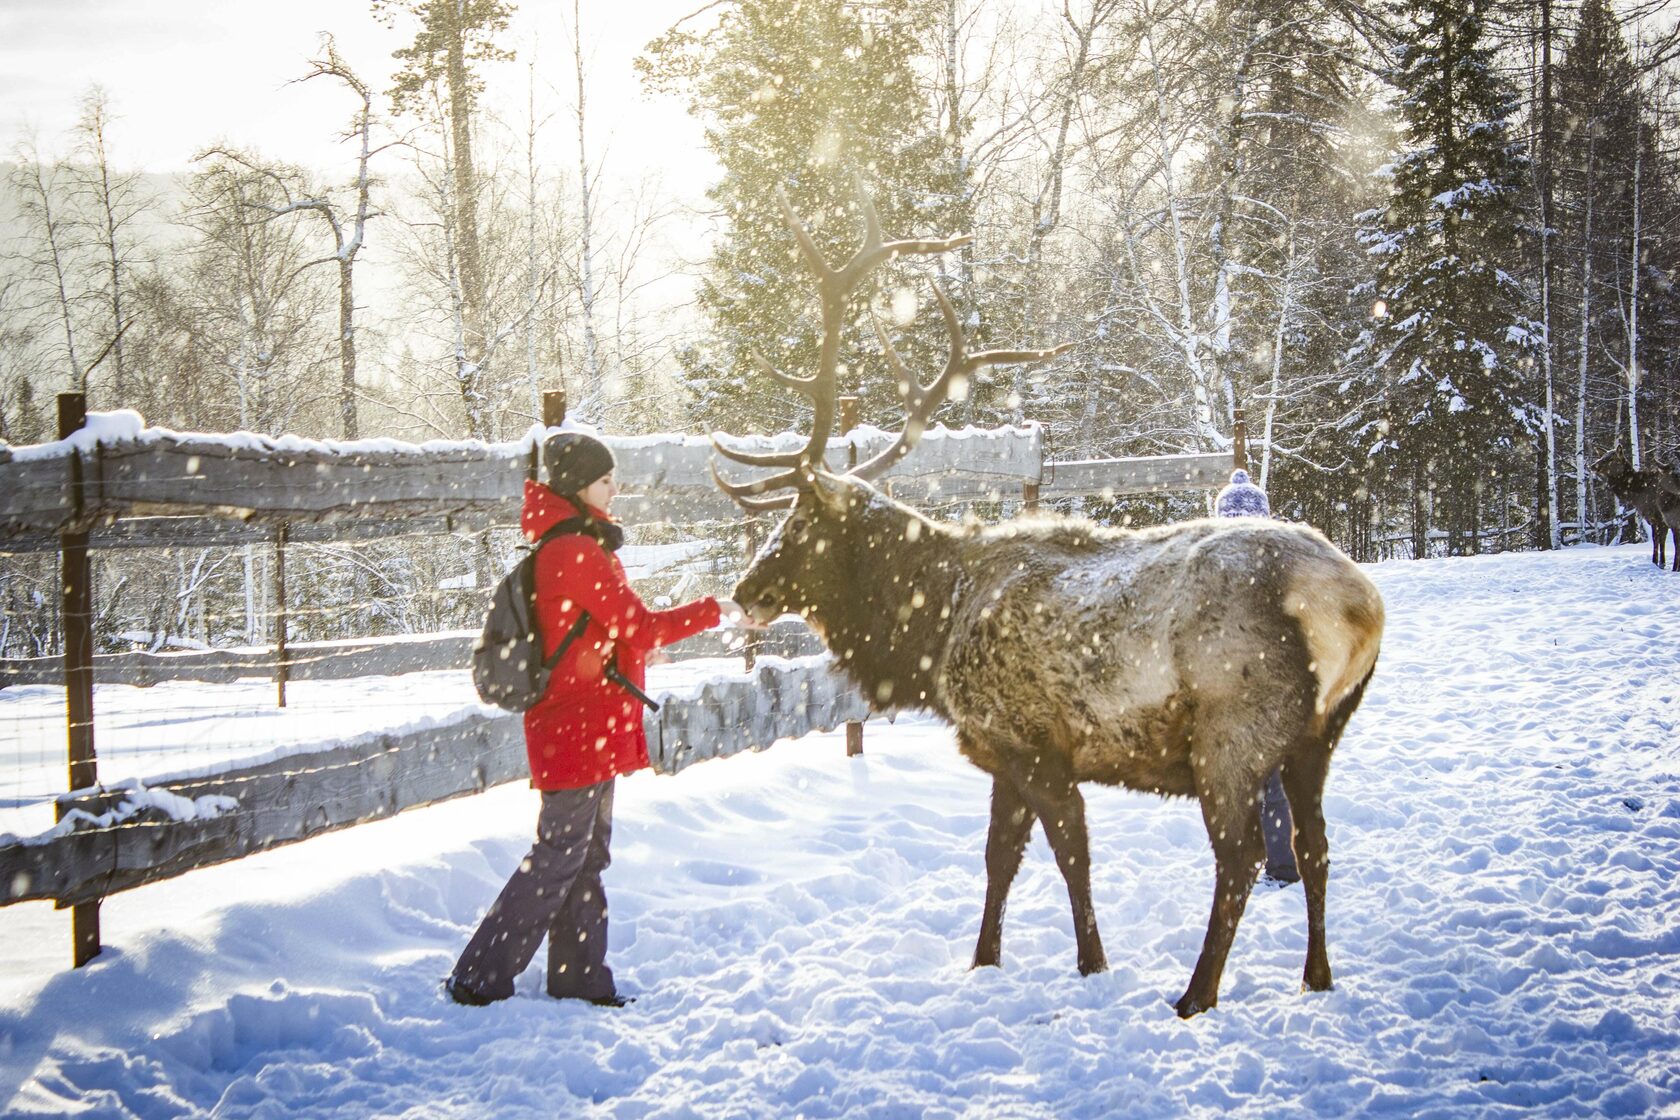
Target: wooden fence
115,483
334,786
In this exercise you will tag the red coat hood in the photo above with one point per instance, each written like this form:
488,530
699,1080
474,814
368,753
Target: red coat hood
544,509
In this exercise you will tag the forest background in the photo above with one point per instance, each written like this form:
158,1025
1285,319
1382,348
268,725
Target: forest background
1428,247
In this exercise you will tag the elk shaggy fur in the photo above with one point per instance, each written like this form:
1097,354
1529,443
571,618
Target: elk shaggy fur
1187,660
1651,492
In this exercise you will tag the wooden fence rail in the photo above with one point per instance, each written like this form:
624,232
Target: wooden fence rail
347,658
143,487
338,785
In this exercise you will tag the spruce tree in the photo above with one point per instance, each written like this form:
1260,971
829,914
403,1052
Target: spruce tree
1451,339
800,97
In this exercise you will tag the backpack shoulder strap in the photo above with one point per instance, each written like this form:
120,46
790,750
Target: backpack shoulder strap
572,635
571,526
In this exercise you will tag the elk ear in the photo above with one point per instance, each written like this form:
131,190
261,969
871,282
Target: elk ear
827,492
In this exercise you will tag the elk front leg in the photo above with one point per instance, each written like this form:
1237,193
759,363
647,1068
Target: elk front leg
1054,796
1233,824
1011,824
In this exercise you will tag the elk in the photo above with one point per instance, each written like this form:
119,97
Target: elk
1187,660
1651,492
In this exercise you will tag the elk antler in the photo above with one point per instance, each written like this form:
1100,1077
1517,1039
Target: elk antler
834,285
922,401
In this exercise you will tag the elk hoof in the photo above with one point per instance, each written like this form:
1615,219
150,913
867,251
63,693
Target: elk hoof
1188,1005
1312,983
1087,968
984,962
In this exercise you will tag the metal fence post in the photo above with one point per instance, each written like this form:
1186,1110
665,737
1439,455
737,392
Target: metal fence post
77,612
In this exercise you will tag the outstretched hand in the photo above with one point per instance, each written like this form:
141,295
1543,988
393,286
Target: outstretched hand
734,616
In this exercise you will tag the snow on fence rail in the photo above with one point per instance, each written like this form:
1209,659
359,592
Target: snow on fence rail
117,839
151,487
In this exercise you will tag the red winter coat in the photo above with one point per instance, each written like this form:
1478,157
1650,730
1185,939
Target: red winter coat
587,729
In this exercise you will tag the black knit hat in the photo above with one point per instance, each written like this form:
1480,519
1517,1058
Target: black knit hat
572,460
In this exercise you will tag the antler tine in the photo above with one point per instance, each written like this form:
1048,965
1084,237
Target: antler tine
922,401
786,459
871,220
803,384
746,494
807,245
769,458
905,379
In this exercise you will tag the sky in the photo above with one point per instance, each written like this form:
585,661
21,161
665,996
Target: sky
184,74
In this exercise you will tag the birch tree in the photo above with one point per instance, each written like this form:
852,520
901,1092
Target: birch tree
50,255
109,202
452,38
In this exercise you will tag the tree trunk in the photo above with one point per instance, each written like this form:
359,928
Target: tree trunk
465,198
347,349
1585,341
1552,532
593,389
1634,266
533,273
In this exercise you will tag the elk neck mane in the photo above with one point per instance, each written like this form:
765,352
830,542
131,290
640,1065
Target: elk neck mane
891,628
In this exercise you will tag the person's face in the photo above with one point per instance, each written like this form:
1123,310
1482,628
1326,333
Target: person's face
601,492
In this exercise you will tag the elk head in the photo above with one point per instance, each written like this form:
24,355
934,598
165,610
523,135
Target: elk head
838,520
1616,468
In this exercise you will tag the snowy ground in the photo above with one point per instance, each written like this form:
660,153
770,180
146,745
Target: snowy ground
1505,832
187,729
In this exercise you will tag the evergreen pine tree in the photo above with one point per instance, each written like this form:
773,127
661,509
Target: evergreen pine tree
1450,343
799,97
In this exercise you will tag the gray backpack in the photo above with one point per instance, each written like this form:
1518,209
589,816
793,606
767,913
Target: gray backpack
508,666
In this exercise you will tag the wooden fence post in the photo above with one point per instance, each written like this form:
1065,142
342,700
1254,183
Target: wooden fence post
749,645
554,408
1239,439
280,666
77,612
848,423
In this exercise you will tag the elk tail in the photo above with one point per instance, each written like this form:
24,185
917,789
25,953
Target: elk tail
1341,618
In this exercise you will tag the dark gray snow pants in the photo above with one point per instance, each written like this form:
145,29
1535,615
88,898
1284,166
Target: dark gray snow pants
555,892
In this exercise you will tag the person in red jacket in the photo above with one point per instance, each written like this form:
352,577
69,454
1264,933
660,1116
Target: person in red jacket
583,733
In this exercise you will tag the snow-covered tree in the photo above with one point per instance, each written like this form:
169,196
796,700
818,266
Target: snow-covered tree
1449,347
799,97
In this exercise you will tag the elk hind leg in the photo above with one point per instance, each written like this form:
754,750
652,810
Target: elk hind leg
1006,839
1303,783
1233,824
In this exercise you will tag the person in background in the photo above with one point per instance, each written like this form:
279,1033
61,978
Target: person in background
583,733
1242,498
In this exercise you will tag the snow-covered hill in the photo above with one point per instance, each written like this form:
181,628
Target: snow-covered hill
1505,836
